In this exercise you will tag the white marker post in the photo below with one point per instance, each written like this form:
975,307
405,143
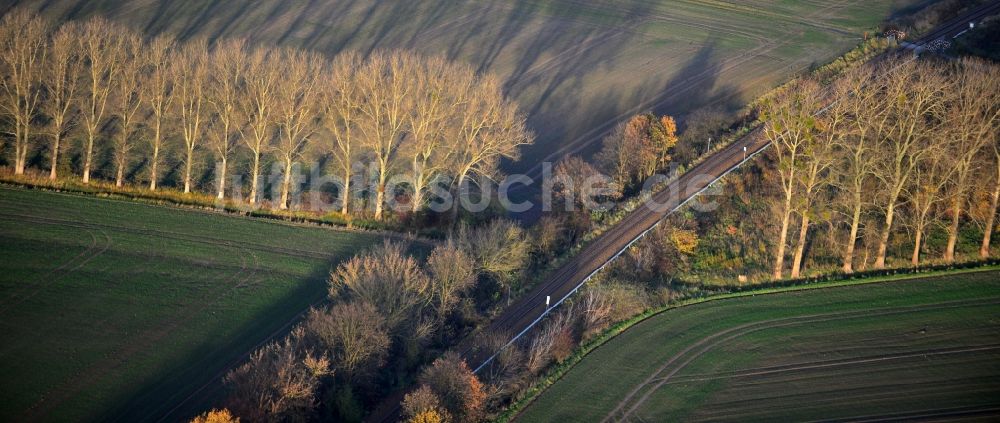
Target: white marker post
547,300
744,153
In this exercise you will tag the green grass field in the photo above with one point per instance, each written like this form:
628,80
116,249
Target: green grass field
576,67
920,347
119,311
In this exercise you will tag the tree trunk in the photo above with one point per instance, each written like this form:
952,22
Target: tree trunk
984,249
779,257
853,240
418,187
87,159
222,178
187,171
255,175
119,175
285,184
418,200
883,243
915,258
379,199
456,199
57,138
18,162
21,151
346,194
800,248
956,210
153,176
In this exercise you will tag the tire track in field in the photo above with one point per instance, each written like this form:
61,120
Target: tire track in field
169,235
243,283
821,406
791,321
6,306
697,349
825,364
925,415
87,250
146,341
821,403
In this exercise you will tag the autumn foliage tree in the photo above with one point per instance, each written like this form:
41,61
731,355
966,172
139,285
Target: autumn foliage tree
453,383
638,148
279,382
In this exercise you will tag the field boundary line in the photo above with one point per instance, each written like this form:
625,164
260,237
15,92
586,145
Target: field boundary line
164,204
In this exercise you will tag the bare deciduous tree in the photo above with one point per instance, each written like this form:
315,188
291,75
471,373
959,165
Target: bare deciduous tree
258,109
383,80
190,83
499,248
972,123
387,279
279,382
491,128
101,45
858,94
817,158
789,126
23,42
452,271
984,247
296,101
432,120
926,191
63,72
912,94
228,67
157,92
341,113
127,90
354,334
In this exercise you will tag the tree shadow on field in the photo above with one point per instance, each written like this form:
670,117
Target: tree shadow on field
695,84
193,383
556,58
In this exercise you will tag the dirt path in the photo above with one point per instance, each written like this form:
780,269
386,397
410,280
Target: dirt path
658,377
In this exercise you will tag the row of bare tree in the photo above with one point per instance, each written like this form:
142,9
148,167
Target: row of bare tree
897,138
424,118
